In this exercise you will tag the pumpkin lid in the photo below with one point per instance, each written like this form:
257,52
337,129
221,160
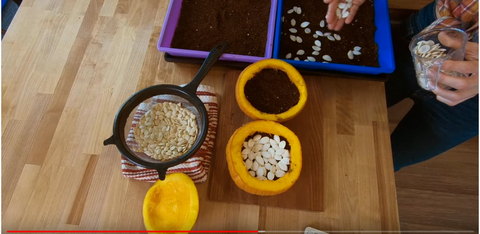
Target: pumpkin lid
171,204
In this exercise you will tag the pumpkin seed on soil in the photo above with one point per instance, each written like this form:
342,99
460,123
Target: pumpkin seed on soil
271,91
243,25
360,33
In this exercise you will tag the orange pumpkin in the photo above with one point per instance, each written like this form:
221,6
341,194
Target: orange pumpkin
171,204
239,172
250,72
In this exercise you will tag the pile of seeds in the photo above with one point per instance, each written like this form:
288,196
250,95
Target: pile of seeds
306,37
266,157
429,49
166,131
342,9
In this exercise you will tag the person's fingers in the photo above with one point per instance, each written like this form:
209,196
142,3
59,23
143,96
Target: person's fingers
450,102
353,12
451,39
339,24
331,15
461,66
327,1
471,51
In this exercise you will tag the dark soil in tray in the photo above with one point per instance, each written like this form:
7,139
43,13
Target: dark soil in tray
361,32
242,24
271,91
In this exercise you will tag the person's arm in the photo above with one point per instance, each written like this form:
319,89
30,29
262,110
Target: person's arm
465,87
334,23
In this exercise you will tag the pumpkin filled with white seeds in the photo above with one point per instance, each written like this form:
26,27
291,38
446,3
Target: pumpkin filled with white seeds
264,158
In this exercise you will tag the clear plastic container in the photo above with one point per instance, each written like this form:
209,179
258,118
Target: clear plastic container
431,48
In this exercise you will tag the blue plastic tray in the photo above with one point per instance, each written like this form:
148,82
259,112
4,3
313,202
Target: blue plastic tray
383,38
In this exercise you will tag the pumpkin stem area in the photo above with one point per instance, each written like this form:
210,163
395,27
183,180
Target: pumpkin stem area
271,91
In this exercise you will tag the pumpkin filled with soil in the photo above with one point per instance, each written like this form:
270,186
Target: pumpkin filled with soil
271,89
264,158
171,204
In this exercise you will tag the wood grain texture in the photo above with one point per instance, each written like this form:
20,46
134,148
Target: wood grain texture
68,65
353,159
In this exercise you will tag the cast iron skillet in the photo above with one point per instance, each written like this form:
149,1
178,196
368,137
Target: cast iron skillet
188,93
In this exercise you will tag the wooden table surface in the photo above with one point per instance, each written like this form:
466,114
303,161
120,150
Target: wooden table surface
67,66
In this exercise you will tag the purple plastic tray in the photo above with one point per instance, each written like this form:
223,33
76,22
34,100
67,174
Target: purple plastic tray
170,24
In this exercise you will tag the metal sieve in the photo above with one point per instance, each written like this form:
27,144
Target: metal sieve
143,100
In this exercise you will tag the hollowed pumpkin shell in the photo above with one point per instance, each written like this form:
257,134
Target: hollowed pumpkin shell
238,170
250,72
171,204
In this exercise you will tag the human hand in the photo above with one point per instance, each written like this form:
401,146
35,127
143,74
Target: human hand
334,23
466,87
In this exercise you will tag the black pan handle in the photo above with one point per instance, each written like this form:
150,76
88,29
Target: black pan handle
212,58
162,172
109,141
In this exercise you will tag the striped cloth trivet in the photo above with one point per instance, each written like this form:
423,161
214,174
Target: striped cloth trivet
198,165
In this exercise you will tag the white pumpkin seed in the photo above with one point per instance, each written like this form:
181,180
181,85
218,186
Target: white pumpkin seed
264,140
319,33
248,164
342,5
251,143
268,166
315,52
282,166
286,161
339,13
260,160
330,38
271,151
266,154
300,52
266,146
270,175
345,14
244,156
327,34
337,37
279,151
299,39
288,56
327,58
279,173
282,144
356,52
290,11
318,43
315,35
296,59
357,48
272,161
299,10
316,48
322,23
252,173
276,138
350,54
257,137
293,22
308,30
278,157
255,166
304,24
293,30
251,156
246,151
260,171
311,59
275,147
293,37
424,49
